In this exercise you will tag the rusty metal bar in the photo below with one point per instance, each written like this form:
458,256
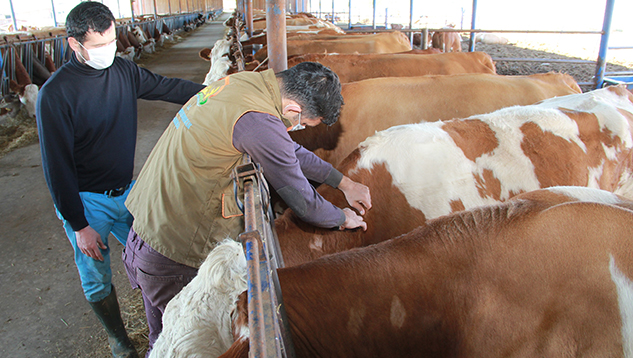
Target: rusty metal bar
256,319
276,35
249,18
272,338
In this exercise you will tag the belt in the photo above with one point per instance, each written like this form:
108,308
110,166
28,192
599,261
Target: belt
113,193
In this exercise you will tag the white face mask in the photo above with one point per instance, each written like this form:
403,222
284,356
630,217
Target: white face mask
297,127
100,57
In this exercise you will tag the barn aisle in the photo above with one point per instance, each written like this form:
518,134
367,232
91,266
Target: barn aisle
42,309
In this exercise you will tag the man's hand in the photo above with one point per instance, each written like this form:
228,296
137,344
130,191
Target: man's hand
357,194
89,242
353,220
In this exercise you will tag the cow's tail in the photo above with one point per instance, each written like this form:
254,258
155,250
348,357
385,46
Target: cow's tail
197,321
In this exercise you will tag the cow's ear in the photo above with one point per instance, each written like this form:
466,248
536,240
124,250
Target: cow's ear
205,54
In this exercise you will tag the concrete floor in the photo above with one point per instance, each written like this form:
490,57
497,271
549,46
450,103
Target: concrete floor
43,312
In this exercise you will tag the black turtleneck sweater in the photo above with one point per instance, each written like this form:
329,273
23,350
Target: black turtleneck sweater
86,120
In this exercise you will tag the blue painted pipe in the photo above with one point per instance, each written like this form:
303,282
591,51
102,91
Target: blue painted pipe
471,45
601,63
15,23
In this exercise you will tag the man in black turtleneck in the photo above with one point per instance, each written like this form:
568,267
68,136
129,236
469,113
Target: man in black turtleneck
86,117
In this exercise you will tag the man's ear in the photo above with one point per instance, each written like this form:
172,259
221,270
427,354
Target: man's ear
73,43
294,107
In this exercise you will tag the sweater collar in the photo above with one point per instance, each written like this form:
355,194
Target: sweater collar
84,69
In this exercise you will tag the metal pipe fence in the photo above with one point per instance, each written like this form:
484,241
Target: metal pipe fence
33,52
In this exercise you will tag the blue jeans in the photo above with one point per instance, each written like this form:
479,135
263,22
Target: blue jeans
105,215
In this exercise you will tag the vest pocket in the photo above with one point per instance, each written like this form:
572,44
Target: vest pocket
230,209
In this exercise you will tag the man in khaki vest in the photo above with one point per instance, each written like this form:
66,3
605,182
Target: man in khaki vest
183,201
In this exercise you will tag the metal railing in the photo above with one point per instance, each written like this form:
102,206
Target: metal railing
32,52
267,321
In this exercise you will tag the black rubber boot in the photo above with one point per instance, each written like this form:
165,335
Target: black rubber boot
107,310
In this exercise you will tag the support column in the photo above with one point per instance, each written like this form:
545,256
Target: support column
276,35
249,18
601,63
471,45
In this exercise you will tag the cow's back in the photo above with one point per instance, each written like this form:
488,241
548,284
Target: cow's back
377,104
390,42
357,67
459,164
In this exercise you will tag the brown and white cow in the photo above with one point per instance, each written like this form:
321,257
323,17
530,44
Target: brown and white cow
548,274
422,171
377,104
386,42
356,67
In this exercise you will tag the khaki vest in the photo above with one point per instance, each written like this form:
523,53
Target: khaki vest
183,201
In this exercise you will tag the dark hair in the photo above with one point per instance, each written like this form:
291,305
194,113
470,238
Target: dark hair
87,16
315,88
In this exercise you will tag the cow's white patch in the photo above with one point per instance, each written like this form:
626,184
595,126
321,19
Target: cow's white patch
432,171
625,184
197,321
426,166
29,98
398,312
220,48
624,287
605,104
355,321
610,152
586,194
316,244
218,70
594,174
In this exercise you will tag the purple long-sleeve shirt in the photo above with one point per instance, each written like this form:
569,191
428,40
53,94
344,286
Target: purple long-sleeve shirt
287,167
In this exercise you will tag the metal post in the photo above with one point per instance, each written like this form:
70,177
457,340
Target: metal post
54,16
256,317
276,34
333,22
249,18
132,10
373,18
15,23
268,322
411,22
155,12
471,45
349,20
319,9
601,63
118,5
424,38
386,18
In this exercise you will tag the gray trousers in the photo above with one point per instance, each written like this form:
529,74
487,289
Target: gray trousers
158,277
